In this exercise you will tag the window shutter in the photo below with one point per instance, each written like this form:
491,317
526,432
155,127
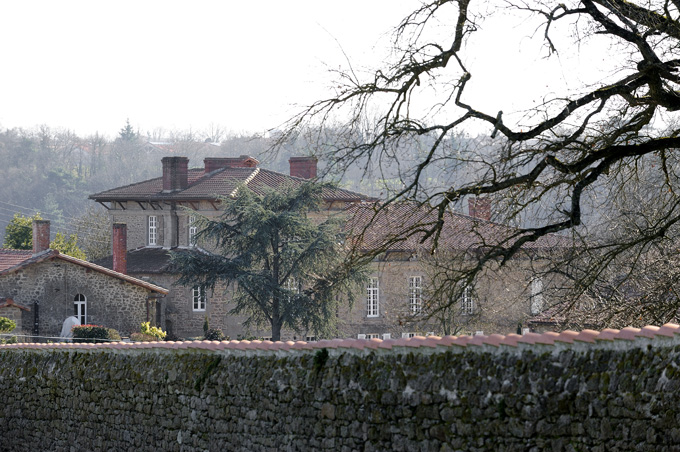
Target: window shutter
161,241
387,336
361,336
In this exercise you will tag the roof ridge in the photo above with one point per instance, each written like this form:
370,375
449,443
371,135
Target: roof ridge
302,179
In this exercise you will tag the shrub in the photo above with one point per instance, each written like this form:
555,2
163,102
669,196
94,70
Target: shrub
141,337
156,332
94,333
214,334
7,325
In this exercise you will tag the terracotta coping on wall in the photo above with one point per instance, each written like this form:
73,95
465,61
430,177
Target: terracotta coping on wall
495,341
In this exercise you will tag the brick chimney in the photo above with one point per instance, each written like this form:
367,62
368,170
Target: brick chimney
304,167
215,163
175,173
41,236
480,208
119,247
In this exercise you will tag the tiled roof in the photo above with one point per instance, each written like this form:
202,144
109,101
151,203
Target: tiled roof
10,303
635,337
152,260
221,182
374,226
10,258
54,254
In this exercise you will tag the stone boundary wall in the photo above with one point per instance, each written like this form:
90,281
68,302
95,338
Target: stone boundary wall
595,391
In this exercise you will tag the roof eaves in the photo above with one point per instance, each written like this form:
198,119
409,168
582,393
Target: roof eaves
102,194
124,277
44,255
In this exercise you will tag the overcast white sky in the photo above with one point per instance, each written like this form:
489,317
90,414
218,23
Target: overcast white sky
89,65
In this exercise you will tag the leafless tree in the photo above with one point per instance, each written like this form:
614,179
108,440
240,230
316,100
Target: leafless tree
575,150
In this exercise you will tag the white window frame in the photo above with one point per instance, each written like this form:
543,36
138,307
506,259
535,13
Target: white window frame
536,297
193,230
292,286
198,299
153,230
373,297
80,308
467,302
415,294
372,336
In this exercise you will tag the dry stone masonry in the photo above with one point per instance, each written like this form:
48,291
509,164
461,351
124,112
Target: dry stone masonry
596,391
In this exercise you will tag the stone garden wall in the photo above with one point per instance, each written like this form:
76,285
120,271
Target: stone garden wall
612,390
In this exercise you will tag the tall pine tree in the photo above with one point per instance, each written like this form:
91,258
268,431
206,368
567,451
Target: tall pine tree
287,268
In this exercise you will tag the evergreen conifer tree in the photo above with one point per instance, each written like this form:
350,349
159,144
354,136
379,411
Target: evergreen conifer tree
288,269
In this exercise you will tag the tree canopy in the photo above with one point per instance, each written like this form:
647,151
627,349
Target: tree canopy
19,232
552,167
67,245
286,263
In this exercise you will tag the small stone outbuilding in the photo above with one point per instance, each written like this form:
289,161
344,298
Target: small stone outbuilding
42,287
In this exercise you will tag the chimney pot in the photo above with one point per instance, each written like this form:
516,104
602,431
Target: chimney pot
303,167
175,173
119,248
41,236
480,208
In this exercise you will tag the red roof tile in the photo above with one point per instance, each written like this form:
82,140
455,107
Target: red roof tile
402,226
10,303
10,258
54,254
593,338
222,182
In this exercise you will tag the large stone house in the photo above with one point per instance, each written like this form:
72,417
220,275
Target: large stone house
40,288
404,295
159,218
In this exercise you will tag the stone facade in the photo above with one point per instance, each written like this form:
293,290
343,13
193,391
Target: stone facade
608,395
14,313
499,303
53,285
501,299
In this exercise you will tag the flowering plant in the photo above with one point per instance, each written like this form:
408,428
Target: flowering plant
153,331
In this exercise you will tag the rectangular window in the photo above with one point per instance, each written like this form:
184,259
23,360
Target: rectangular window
408,335
193,230
372,298
415,294
372,336
310,338
536,297
467,302
292,286
199,298
153,230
